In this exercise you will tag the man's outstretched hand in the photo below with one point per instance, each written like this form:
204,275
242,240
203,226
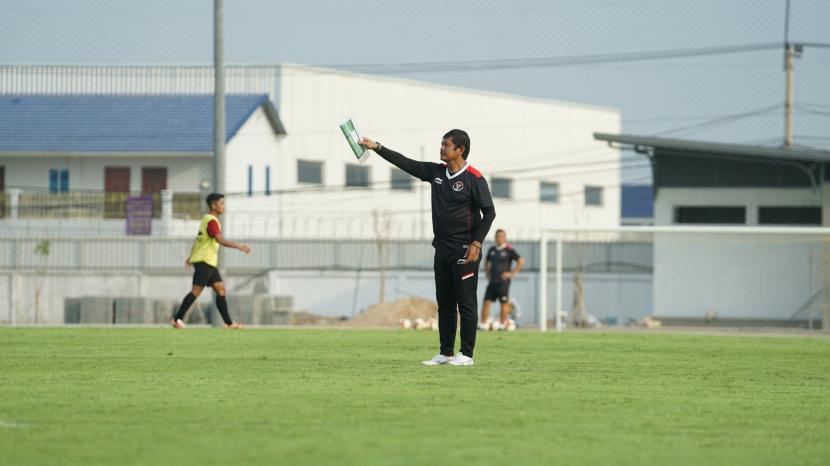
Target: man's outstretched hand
368,143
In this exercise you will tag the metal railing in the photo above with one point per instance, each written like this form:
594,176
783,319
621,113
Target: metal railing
31,204
143,254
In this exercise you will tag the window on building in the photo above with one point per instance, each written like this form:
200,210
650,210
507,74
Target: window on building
267,181
804,215
401,180
58,180
153,179
309,172
250,180
117,179
153,182
357,176
593,195
116,191
710,215
549,192
501,187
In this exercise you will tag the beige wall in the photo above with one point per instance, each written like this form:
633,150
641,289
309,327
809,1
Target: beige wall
87,173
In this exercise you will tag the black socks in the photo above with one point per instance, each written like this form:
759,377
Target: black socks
186,303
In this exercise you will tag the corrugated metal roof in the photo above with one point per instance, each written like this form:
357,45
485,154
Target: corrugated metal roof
120,123
713,148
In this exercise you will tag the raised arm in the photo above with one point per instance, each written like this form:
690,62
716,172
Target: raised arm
415,168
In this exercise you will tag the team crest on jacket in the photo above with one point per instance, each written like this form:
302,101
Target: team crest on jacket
458,186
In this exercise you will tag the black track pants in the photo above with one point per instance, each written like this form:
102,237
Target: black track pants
456,287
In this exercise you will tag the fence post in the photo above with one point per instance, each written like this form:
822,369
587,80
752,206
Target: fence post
543,282
559,283
166,211
14,204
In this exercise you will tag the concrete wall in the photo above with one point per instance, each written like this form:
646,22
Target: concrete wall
347,293
326,293
735,276
19,291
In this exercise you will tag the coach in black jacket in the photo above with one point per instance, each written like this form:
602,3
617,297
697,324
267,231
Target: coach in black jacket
462,213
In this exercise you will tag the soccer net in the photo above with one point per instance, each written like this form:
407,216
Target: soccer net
683,275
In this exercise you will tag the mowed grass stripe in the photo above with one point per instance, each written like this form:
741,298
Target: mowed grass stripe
208,396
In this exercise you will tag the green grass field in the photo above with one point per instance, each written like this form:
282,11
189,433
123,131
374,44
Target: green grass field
95,396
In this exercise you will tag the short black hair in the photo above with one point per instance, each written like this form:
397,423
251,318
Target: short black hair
461,139
213,197
500,231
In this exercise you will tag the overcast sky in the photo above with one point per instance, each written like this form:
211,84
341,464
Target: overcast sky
653,96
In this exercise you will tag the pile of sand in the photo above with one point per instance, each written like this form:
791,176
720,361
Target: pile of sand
390,313
307,318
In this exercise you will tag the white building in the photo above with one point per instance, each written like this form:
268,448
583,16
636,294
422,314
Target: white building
68,162
777,274
293,175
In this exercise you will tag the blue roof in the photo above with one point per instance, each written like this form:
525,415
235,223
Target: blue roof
637,201
120,123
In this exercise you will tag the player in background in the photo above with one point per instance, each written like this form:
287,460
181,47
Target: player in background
204,257
462,212
497,267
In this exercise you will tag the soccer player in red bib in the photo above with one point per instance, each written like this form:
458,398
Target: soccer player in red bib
462,212
204,257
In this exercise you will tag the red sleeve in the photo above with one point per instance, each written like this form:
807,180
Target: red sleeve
213,228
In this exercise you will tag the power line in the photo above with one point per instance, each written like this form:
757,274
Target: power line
721,120
809,109
286,15
555,61
492,64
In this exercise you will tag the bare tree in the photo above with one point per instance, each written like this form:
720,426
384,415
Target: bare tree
579,316
382,223
42,250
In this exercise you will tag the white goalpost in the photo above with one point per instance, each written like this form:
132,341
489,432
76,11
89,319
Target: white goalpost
762,254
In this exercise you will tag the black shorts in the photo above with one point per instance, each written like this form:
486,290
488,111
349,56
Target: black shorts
498,291
205,274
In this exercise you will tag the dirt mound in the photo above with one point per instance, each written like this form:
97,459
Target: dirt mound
307,318
390,313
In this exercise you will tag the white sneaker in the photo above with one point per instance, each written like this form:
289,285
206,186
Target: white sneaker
437,360
461,360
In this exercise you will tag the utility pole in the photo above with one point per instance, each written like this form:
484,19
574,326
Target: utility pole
789,55
788,102
218,100
218,108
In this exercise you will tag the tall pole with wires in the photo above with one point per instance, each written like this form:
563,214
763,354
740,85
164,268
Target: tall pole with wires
218,106
218,100
789,54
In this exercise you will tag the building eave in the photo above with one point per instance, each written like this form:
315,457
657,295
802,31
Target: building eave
103,154
640,143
